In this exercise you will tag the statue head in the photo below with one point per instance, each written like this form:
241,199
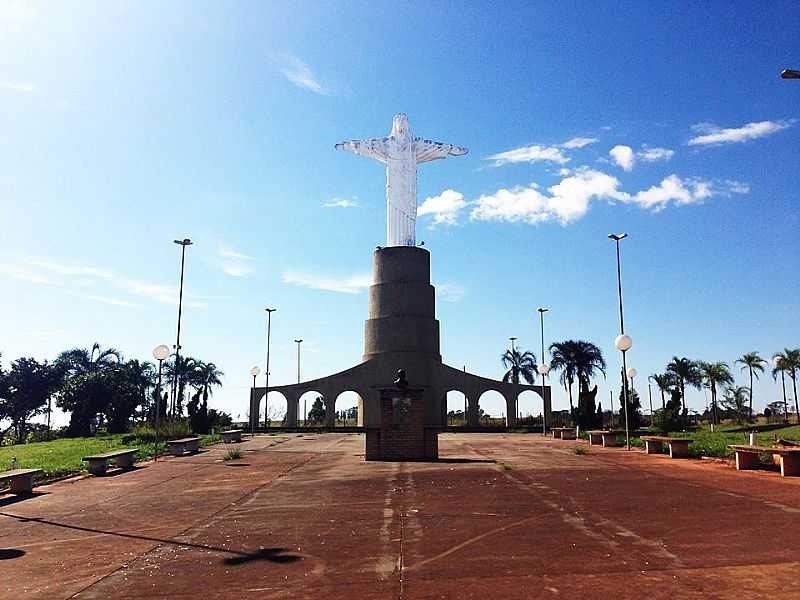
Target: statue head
400,126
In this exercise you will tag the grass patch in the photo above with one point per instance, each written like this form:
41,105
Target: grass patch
706,443
63,456
581,450
232,454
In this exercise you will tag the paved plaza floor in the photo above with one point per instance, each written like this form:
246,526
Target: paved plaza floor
499,516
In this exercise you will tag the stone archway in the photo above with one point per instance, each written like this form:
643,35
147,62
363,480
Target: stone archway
529,408
456,408
494,405
345,407
305,402
276,408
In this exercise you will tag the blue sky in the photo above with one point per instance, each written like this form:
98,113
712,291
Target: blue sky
126,125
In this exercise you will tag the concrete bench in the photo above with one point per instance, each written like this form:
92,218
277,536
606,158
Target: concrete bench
21,479
563,433
231,436
184,446
747,458
604,437
678,447
123,459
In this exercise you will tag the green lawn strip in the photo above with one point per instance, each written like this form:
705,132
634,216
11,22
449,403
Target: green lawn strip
63,456
706,443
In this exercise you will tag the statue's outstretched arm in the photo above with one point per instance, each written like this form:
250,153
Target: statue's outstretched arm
428,150
375,148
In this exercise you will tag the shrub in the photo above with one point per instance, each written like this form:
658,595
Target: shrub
232,454
581,450
169,429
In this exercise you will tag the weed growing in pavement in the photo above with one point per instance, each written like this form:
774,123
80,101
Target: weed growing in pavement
232,454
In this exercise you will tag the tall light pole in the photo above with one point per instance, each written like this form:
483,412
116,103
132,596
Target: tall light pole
298,342
543,367
176,375
253,404
160,352
622,342
516,400
266,373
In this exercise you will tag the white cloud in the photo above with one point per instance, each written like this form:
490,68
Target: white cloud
623,156
445,207
107,300
226,251
21,273
72,270
649,154
18,87
567,201
713,135
300,74
234,263
529,154
578,142
343,203
673,189
449,292
352,284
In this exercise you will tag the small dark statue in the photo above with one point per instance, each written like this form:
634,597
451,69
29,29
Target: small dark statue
400,379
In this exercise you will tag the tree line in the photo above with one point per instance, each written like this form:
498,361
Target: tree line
99,388
579,362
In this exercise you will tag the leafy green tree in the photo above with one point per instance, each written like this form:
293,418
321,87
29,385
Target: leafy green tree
789,362
634,408
317,412
755,365
686,372
735,400
84,392
713,374
26,389
577,360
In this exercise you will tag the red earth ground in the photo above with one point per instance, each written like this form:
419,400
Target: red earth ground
499,516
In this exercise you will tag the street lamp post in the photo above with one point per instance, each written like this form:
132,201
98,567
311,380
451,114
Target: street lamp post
160,352
622,342
253,403
298,342
516,400
176,375
650,398
266,373
543,367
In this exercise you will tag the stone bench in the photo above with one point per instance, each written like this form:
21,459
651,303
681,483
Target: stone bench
747,458
184,446
231,436
563,433
21,480
678,447
123,459
604,437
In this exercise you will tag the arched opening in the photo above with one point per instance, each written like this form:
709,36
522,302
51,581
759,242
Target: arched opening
310,410
275,408
492,409
456,409
529,409
346,409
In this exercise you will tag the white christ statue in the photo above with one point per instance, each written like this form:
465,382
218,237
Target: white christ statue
401,152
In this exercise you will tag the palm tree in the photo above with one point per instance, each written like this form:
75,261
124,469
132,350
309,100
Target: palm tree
755,364
789,361
207,375
519,364
686,372
80,360
713,374
579,361
185,372
735,399
665,383
781,366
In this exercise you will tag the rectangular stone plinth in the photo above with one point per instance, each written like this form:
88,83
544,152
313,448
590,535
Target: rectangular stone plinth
402,434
